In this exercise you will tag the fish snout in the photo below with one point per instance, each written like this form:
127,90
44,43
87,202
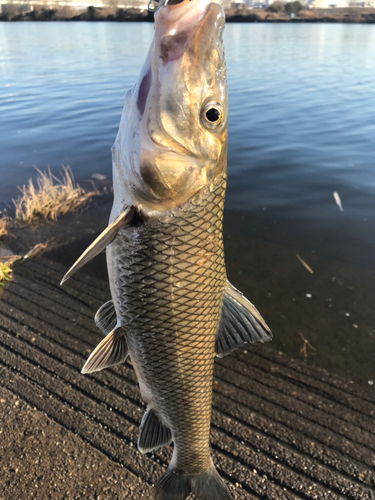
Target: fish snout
178,22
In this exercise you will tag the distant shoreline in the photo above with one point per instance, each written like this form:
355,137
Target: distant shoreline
334,15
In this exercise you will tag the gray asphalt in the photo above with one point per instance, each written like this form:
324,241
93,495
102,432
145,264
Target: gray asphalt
280,429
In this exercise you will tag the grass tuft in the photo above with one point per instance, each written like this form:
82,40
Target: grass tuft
5,272
3,224
12,261
51,197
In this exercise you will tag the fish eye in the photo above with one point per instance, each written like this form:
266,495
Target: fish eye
212,115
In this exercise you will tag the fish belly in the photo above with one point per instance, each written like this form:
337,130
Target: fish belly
168,278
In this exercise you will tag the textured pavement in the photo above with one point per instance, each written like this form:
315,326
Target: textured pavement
280,429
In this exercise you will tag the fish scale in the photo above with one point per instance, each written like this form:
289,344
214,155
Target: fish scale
169,288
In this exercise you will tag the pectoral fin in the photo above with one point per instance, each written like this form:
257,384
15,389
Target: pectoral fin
106,317
153,434
103,240
111,351
240,324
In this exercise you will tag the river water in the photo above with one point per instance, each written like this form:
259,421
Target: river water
301,126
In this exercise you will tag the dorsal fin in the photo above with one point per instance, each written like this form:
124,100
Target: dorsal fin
106,317
103,240
111,351
240,323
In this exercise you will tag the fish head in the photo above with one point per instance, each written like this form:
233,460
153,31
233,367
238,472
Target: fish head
173,142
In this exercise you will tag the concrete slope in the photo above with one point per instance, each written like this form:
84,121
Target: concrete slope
280,429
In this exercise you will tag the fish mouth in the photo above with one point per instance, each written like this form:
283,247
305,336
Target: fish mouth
155,5
176,24
173,11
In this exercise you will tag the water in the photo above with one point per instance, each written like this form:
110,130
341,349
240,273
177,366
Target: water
301,126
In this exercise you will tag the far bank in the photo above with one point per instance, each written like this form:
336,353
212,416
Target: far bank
22,12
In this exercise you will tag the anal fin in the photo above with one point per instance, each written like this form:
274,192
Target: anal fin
240,323
106,318
153,434
111,351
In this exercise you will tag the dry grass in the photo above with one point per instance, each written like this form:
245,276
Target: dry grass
51,197
12,261
5,272
3,224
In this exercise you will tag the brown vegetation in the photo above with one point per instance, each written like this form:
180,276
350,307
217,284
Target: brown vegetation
9,262
47,199
3,224
51,197
5,272
65,12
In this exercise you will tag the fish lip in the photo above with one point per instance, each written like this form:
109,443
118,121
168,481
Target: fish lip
152,8
202,12
180,17
175,29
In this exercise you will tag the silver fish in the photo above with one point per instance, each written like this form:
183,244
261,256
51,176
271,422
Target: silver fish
172,309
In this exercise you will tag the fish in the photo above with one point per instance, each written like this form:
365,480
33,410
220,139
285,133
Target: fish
172,309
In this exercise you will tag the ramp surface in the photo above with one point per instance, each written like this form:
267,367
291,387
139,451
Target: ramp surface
280,429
